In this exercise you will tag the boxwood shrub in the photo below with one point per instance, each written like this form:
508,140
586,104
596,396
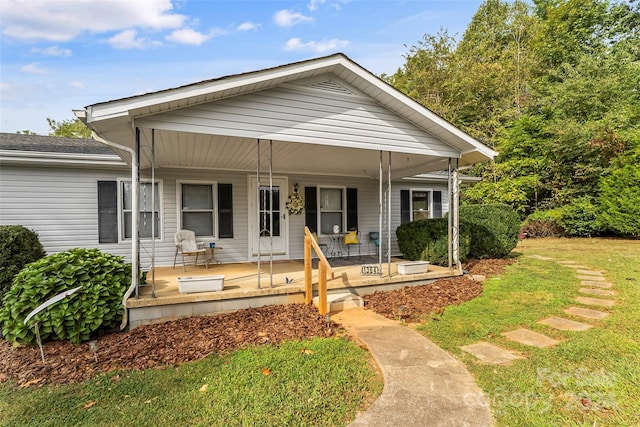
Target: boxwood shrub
493,229
427,240
486,231
18,247
97,304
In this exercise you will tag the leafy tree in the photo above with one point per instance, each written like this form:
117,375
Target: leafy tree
69,128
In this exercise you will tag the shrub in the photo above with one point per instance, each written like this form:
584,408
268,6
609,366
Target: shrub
428,240
543,224
18,247
580,217
620,199
493,229
97,304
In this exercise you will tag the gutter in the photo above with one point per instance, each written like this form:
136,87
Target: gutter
134,226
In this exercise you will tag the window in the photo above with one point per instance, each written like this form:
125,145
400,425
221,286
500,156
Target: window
196,207
331,209
107,212
203,205
145,220
419,204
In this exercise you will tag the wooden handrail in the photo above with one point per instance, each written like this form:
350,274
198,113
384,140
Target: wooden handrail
323,268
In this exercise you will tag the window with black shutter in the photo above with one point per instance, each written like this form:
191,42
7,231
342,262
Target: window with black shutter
107,212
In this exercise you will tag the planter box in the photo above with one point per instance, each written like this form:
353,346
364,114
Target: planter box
413,267
200,284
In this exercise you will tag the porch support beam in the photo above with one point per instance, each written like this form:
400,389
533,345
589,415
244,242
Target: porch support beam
135,218
153,213
380,214
455,212
389,215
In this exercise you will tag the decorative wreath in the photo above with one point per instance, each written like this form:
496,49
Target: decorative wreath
295,203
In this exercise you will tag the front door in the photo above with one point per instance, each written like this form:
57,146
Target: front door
268,221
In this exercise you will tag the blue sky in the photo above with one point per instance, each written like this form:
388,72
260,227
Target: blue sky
60,55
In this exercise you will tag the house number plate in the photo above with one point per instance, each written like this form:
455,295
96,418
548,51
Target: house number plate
369,270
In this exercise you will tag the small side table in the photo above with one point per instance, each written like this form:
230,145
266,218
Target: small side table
210,256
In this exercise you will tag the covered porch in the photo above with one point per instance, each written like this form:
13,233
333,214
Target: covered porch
281,283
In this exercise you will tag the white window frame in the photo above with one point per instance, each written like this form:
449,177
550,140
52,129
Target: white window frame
430,201
214,190
343,225
121,211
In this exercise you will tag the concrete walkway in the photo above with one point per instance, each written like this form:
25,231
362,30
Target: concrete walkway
423,384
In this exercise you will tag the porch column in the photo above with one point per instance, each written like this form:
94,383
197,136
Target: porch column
135,217
454,214
153,213
389,215
380,218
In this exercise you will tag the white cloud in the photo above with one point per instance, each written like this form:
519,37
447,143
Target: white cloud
53,51
128,39
248,26
287,18
188,36
63,21
313,4
315,46
33,68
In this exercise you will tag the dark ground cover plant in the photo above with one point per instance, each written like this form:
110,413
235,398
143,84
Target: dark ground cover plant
18,247
543,224
103,279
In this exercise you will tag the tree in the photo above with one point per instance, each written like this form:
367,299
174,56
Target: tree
69,128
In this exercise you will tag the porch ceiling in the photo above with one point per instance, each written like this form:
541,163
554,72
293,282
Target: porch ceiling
200,151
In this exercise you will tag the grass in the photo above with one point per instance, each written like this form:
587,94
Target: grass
591,378
272,385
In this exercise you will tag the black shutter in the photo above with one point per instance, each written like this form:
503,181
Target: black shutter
405,213
107,212
352,208
311,208
225,211
437,204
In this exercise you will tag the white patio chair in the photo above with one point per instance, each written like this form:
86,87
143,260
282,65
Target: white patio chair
186,245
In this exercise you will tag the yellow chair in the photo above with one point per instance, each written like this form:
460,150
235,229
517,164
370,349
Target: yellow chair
351,238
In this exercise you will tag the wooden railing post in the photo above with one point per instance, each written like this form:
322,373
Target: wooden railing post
308,284
322,288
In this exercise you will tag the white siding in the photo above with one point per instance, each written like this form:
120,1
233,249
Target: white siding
303,114
60,204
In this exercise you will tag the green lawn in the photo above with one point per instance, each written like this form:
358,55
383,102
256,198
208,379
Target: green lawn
591,378
314,382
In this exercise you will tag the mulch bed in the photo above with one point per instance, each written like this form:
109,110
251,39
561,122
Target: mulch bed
179,341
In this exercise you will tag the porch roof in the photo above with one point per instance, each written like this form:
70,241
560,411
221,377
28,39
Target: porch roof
195,125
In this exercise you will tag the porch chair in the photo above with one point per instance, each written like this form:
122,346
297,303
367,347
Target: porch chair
323,246
374,237
351,238
186,245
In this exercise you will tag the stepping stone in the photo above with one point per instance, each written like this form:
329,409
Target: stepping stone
564,324
491,354
590,272
525,336
577,266
596,301
600,292
586,313
593,283
566,262
593,278
543,258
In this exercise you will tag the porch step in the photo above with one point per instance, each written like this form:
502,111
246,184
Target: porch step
341,301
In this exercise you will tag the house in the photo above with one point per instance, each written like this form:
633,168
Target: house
222,157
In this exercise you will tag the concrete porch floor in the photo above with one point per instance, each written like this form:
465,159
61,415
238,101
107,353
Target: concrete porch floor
241,286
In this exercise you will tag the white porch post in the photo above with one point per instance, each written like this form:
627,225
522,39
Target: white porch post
380,218
449,216
135,217
389,215
455,196
153,213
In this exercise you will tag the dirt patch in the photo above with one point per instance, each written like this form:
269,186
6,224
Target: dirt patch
183,340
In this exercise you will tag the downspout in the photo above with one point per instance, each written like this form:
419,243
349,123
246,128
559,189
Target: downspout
134,223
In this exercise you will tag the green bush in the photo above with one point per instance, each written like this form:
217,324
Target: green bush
97,304
428,240
18,247
543,224
580,217
493,229
620,199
